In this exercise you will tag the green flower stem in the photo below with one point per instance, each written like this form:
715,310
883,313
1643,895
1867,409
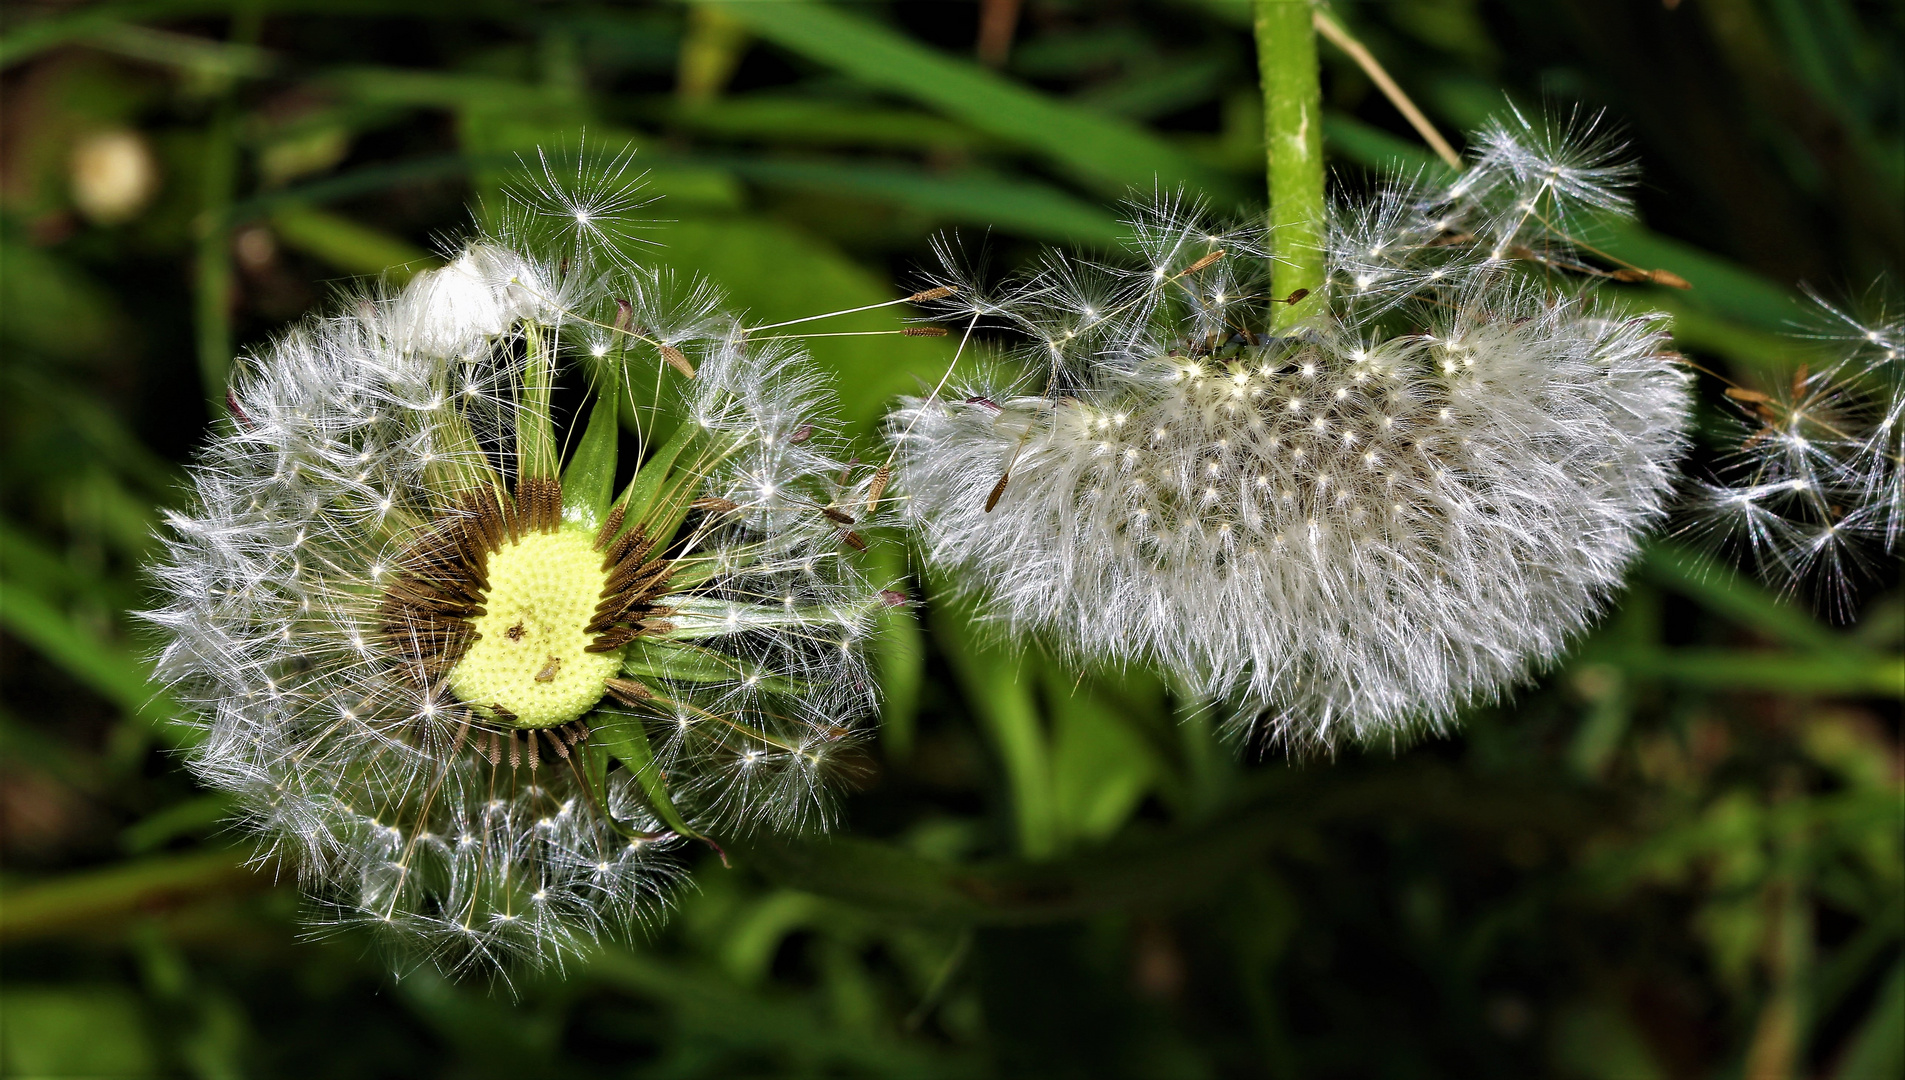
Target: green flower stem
1293,140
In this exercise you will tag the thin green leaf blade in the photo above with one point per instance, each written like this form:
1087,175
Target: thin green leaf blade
1109,154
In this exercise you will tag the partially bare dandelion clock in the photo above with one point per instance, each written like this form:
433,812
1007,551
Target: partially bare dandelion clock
471,669
1347,525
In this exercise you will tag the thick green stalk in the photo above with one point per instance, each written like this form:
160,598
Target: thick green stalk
1293,139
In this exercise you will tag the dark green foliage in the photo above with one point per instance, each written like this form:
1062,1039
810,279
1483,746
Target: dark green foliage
1677,856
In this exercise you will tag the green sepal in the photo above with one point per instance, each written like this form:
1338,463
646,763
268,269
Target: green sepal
626,739
692,573
645,490
535,426
594,763
651,659
588,483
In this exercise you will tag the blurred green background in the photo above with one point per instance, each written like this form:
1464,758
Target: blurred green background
1679,855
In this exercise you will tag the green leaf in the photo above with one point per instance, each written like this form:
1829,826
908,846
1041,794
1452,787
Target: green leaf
1850,674
1877,1050
1013,205
75,1031
194,816
52,307
1108,154
90,898
102,665
1371,146
38,35
777,272
818,121
1101,768
900,647
1718,286
1599,1041
1728,308
346,245
626,739
998,688
748,1026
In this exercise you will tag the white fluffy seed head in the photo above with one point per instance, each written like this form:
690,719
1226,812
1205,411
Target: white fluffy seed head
1349,528
354,440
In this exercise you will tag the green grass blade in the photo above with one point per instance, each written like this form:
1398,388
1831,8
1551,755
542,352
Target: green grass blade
1020,206
103,666
1108,154
1719,589
1837,674
1877,1049
999,689
88,899
346,245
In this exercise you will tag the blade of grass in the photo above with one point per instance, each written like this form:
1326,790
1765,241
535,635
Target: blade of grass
103,666
346,245
1719,589
1772,672
818,122
1877,1048
901,652
31,38
1730,308
213,282
91,899
1020,206
1107,154
999,689
760,1023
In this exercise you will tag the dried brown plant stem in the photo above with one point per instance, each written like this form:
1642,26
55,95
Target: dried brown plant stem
1372,67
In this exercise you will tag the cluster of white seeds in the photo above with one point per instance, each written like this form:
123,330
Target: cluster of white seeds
1347,526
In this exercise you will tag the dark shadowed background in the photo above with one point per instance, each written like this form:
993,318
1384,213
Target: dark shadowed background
1676,856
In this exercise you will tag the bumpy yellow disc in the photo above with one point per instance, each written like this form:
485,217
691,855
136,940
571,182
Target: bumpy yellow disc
530,660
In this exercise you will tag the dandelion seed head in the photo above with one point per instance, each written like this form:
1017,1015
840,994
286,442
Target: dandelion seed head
1426,490
406,634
